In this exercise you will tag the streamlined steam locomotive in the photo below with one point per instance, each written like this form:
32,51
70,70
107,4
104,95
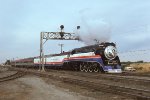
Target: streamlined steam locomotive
94,58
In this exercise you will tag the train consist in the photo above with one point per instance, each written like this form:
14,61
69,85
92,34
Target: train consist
94,58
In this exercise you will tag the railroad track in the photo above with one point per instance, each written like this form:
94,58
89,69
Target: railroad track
114,77
130,79
141,81
136,93
12,77
136,74
77,79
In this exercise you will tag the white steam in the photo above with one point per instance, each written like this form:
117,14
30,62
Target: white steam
94,30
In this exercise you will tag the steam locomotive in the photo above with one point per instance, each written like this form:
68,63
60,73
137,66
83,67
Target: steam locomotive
100,57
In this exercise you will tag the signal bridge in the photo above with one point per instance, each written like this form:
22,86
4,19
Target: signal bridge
54,36
59,36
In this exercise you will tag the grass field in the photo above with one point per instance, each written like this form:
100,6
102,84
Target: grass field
141,67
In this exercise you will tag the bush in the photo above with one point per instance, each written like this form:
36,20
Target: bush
141,61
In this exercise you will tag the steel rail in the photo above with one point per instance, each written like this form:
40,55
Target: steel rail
12,77
136,93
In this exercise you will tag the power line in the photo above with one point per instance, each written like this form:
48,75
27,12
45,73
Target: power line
135,55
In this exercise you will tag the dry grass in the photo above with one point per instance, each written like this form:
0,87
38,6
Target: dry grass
142,67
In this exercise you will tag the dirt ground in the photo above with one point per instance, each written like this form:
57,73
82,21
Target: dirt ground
6,73
37,88
3,68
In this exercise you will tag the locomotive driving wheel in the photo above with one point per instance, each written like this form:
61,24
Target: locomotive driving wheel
82,67
95,67
86,68
91,67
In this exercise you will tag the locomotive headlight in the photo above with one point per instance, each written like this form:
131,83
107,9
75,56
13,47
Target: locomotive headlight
110,52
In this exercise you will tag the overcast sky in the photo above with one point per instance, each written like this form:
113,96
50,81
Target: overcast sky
125,22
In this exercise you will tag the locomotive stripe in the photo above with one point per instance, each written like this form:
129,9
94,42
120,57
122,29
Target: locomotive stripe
72,58
83,57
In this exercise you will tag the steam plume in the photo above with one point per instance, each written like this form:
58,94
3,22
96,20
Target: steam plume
94,30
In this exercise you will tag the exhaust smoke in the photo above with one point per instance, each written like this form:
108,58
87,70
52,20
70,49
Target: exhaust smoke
93,31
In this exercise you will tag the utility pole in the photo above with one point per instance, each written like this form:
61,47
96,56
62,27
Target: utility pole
41,67
61,45
54,36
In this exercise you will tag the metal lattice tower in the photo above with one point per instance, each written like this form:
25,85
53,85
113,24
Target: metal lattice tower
54,36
